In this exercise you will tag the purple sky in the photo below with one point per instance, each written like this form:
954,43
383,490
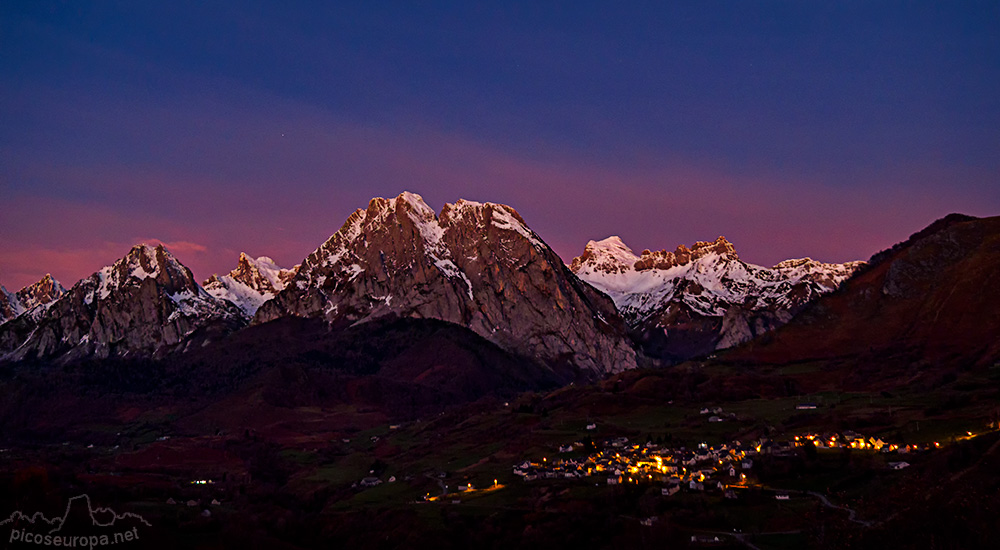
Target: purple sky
792,130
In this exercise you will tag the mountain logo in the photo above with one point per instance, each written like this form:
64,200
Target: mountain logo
80,526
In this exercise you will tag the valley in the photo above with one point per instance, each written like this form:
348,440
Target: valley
385,412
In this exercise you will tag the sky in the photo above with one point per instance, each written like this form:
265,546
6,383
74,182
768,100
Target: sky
830,130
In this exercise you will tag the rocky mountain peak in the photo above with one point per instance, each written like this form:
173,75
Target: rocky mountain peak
719,246
664,259
610,255
260,274
10,306
45,291
476,264
145,303
145,261
694,300
251,283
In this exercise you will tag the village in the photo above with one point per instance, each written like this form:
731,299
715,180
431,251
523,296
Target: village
724,468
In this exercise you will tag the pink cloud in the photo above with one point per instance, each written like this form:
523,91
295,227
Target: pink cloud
176,247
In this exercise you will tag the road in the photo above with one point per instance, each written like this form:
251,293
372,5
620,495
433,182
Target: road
851,514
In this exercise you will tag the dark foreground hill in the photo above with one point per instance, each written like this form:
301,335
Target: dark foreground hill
925,309
394,368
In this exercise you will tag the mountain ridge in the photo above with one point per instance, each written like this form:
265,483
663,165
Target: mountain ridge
922,302
251,283
477,265
706,295
146,302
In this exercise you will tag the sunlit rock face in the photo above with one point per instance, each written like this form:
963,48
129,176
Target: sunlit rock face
40,294
144,304
251,283
692,301
476,264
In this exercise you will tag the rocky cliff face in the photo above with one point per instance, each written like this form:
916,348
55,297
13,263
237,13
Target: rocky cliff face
143,304
10,306
694,300
42,293
477,265
253,282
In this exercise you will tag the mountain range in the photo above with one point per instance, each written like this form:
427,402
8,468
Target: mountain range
476,265
144,304
695,300
431,350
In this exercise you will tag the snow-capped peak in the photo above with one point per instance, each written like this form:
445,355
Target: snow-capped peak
827,275
145,302
475,264
42,293
608,264
253,282
500,216
705,294
610,256
709,277
10,305
339,259
142,262
260,273
417,204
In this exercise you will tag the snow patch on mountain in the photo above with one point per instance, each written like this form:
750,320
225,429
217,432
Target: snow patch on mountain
474,264
253,282
338,255
143,304
709,280
10,305
41,295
